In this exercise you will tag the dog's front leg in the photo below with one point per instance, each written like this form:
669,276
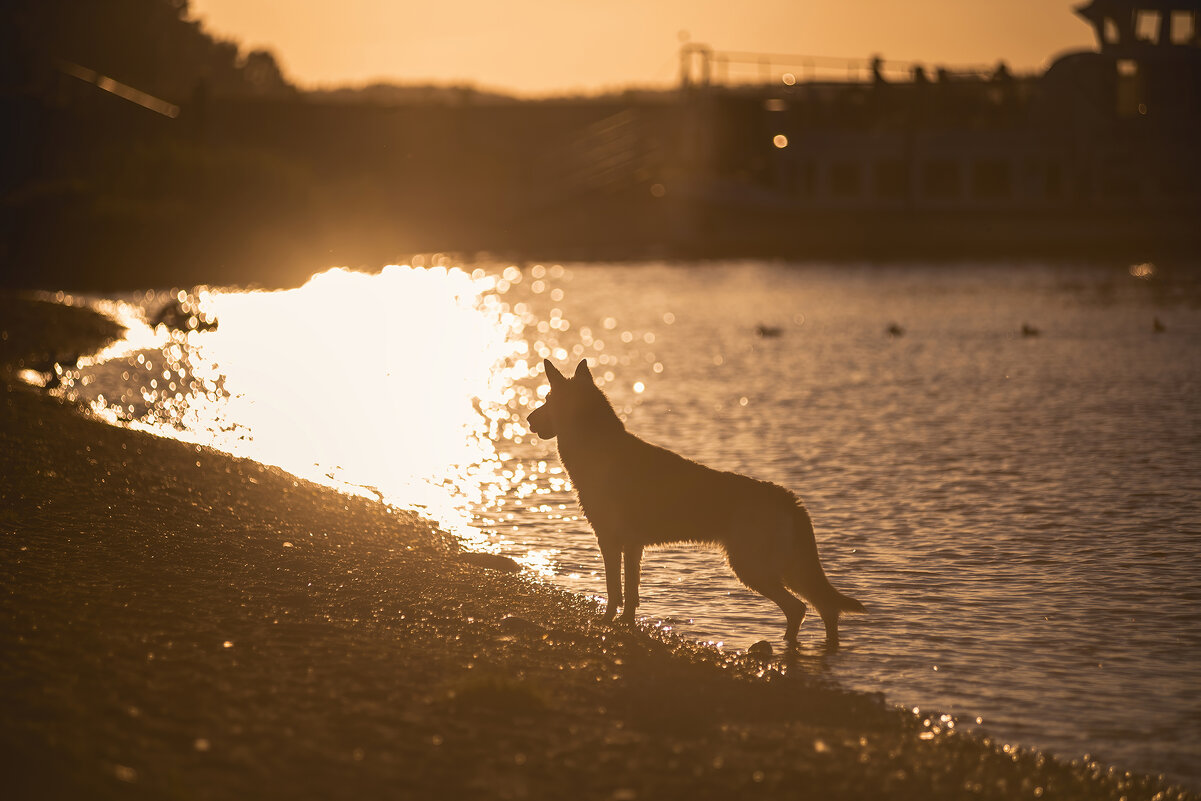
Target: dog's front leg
611,553
633,557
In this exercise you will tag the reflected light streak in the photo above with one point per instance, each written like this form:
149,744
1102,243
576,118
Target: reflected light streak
396,385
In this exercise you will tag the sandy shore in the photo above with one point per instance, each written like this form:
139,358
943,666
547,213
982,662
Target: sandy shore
175,622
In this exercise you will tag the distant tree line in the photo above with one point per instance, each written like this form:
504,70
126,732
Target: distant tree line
100,192
152,45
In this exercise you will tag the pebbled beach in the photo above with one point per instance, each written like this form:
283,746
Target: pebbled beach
178,623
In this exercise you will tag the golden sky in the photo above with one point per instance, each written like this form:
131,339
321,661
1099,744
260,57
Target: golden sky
535,47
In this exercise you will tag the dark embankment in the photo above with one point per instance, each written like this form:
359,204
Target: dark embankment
178,623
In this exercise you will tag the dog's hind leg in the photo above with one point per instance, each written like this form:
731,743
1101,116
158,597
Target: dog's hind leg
804,575
817,591
808,581
829,616
771,586
792,606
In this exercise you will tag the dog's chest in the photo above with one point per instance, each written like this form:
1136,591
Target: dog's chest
608,490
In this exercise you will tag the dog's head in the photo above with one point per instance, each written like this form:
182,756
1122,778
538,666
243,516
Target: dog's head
572,404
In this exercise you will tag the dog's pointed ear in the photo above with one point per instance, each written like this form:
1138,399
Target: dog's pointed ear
582,373
552,373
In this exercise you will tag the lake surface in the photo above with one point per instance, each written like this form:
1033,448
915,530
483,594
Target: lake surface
1021,515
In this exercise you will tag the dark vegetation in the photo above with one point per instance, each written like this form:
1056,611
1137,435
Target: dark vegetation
250,181
150,44
98,191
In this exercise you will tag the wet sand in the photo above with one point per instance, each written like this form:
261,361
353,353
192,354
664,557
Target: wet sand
175,622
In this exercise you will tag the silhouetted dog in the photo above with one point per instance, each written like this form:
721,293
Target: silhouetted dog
637,495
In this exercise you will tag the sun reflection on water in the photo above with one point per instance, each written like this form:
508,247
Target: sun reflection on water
410,385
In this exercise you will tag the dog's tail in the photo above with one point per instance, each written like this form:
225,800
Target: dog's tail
814,581
846,603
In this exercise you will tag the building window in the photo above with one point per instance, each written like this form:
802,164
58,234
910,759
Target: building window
1184,27
1146,25
1129,88
1110,32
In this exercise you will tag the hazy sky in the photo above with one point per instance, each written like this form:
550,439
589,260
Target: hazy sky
548,46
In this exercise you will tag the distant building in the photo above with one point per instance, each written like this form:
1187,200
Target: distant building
1099,149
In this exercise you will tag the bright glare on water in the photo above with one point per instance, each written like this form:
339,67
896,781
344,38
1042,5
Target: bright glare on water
1018,512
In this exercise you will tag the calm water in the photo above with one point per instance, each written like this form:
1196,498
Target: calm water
1021,515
